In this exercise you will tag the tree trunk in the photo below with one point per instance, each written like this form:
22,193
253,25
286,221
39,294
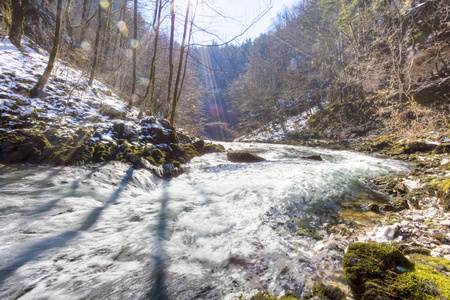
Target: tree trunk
40,85
135,36
169,83
84,17
68,23
106,41
97,40
152,77
18,13
180,66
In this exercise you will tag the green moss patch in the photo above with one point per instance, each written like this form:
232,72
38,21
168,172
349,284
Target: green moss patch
266,296
443,192
310,232
434,269
381,271
325,292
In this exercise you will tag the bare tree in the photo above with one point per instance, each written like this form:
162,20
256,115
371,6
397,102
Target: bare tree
40,85
69,23
150,91
171,66
96,46
18,14
135,36
180,66
84,17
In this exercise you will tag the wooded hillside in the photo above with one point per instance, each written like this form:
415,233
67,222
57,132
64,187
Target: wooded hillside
368,66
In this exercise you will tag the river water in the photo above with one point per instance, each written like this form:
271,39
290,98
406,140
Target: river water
219,230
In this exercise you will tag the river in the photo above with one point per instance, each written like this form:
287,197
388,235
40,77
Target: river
221,229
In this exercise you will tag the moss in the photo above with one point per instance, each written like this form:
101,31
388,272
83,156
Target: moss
367,265
77,155
190,152
442,189
101,152
310,232
211,148
391,219
266,296
380,271
434,269
151,160
325,292
158,156
176,163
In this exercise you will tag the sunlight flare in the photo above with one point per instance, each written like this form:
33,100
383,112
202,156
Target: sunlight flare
123,28
104,4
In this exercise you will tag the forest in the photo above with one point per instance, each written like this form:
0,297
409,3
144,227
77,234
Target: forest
138,161
376,64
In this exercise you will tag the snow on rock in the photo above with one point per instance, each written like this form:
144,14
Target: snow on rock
70,115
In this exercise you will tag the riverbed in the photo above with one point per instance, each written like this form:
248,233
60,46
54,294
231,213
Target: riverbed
221,229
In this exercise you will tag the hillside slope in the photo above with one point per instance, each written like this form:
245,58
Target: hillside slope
73,123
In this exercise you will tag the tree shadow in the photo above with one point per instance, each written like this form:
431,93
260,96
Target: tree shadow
25,171
36,249
158,276
72,189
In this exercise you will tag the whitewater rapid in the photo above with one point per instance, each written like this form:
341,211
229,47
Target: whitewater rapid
221,229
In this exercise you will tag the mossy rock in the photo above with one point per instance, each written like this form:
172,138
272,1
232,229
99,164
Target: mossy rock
288,295
77,155
325,292
128,149
310,232
443,192
190,152
243,156
381,271
158,156
212,148
101,153
435,270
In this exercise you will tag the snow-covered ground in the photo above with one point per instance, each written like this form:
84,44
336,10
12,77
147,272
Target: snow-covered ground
68,103
275,132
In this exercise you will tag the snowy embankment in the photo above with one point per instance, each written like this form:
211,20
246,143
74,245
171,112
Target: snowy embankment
68,100
276,132
74,123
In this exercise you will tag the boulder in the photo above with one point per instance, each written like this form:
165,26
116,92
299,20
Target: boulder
243,156
371,270
123,131
313,157
418,146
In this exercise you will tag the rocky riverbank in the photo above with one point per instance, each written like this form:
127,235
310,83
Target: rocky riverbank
394,243
415,224
73,123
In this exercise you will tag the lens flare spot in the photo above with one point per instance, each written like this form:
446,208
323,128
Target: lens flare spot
128,53
85,46
134,98
134,43
215,110
143,81
104,4
123,28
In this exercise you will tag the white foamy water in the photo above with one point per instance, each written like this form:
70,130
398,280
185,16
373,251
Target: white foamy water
111,232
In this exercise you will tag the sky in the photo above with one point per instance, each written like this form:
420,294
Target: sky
232,17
